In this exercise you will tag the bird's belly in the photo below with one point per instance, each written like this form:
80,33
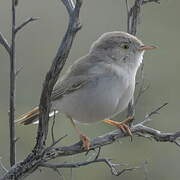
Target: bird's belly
124,100
96,101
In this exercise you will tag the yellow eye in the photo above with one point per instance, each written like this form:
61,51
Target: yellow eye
125,46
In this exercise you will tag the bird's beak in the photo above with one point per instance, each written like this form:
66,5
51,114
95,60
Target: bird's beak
146,47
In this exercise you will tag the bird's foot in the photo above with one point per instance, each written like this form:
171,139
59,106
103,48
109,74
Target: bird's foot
128,121
121,125
86,141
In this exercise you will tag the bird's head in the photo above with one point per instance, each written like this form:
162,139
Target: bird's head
123,48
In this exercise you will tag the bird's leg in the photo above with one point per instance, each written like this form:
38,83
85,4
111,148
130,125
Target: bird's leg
85,140
121,125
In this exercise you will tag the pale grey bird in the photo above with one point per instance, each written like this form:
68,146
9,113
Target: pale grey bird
99,85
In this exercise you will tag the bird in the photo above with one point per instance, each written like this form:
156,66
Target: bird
99,85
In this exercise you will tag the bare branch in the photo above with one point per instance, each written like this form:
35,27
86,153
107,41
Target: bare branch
53,152
4,43
31,163
108,162
55,69
12,89
29,20
110,138
55,142
69,4
133,15
156,111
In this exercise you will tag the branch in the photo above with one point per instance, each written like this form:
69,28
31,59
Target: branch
69,4
29,20
138,129
55,69
133,15
12,89
110,138
108,162
4,43
31,162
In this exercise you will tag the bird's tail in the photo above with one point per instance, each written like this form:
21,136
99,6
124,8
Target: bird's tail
29,117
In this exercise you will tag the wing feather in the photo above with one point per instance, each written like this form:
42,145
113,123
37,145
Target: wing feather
77,76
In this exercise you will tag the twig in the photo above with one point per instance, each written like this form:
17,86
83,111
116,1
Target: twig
108,162
18,71
4,43
54,143
25,23
52,127
2,165
98,153
156,111
142,88
12,90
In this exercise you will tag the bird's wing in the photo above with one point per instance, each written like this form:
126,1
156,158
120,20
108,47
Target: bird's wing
68,85
76,77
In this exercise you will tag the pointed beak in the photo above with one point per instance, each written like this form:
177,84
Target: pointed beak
145,48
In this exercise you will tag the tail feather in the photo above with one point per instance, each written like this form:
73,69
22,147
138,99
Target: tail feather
29,117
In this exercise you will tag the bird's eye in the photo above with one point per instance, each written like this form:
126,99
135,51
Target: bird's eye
125,46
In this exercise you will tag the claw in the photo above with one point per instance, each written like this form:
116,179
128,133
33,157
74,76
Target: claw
86,142
121,125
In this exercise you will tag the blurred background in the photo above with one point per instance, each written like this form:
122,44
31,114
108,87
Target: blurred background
36,46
